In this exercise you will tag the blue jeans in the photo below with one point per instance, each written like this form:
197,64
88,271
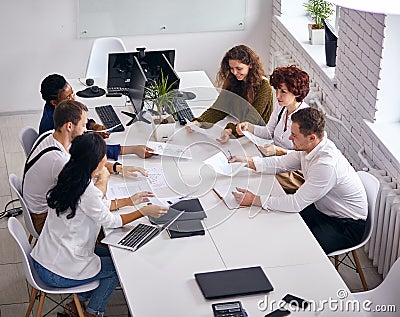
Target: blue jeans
99,297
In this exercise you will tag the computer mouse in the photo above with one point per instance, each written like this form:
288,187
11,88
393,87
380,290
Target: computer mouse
94,89
188,95
89,81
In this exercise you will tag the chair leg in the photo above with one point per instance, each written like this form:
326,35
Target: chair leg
359,269
40,306
78,305
337,262
32,298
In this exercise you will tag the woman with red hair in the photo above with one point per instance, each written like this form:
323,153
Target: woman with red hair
291,86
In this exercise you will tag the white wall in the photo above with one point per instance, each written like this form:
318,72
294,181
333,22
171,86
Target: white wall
40,37
354,97
388,104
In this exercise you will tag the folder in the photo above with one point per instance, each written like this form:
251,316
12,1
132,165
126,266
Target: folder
192,207
227,283
186,228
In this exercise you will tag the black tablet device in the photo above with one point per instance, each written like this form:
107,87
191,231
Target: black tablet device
243,281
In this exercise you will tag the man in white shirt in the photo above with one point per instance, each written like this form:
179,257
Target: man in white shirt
50,153
332,201
70,121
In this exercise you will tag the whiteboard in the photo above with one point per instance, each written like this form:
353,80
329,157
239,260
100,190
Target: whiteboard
98,18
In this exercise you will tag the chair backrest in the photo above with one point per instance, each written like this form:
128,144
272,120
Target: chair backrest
27,136
18,232
387,293
98,59
371,185
16,185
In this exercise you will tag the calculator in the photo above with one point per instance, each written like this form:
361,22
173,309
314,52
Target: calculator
229,309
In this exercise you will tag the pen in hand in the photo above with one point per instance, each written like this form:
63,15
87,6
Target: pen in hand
105,130
230,154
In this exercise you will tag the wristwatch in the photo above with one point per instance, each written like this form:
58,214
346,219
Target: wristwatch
115,167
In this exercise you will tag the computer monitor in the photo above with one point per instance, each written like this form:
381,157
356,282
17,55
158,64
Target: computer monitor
137,83
154,63
169,54
119,71
120,67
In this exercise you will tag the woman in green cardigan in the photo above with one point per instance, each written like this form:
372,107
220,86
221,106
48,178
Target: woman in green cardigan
241,74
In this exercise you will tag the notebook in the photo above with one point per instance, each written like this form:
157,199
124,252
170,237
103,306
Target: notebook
133,239
244,281
193,211
186,228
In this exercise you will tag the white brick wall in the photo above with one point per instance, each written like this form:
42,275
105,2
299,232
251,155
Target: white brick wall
353,99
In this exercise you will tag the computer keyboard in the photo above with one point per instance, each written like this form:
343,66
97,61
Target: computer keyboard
183,111
137,234
109,118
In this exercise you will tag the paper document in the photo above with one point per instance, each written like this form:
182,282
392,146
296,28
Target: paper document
255,139
123,189
219,162
224,192
169,149
197,129
155,177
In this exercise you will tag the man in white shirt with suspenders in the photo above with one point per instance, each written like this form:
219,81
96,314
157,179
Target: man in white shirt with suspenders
48,156
50,153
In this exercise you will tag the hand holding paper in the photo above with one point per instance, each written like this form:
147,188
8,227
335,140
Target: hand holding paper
194,127
255,139
219,162
169,149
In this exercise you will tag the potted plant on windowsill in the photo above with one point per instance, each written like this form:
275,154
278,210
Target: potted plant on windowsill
159,95
318,10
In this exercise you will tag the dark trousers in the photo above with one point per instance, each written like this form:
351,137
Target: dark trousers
333,233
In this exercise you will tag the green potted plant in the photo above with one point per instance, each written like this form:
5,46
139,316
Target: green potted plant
318,10
159,95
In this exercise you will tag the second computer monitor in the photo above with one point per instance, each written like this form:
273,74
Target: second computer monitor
156,65
136,85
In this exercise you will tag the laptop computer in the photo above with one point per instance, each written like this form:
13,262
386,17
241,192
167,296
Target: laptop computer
133,239
244,281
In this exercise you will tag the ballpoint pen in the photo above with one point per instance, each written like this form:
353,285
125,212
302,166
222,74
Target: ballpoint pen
230,154
105,130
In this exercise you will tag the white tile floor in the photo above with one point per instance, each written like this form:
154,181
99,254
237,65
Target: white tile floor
14,291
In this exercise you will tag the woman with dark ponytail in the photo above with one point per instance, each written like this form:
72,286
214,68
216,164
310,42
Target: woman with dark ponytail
65,254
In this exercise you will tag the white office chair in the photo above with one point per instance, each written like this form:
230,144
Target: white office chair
18,232
98,59
371,185
387,293
16,185
27,136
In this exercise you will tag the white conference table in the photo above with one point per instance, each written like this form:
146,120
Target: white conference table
158,280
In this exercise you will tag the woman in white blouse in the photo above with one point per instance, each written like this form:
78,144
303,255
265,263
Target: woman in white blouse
291,87
65,254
